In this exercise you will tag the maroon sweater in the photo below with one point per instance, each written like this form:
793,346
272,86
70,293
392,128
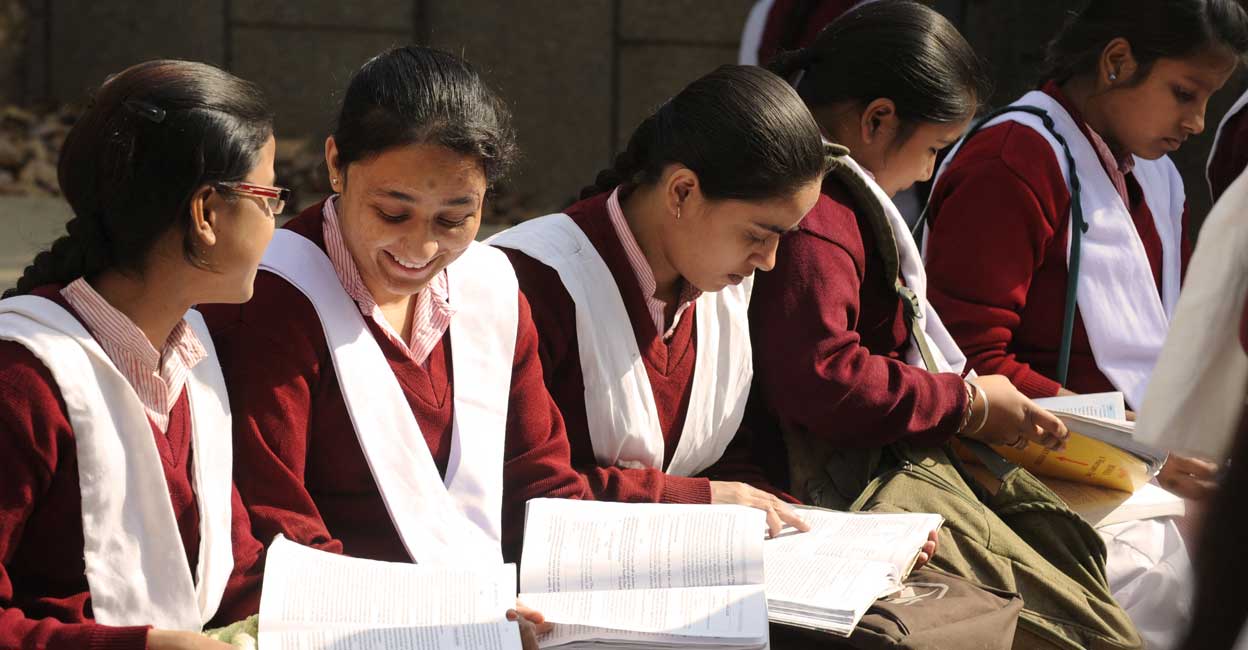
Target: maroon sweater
829,332
1231,154
669,366
299,464
45,601
996,257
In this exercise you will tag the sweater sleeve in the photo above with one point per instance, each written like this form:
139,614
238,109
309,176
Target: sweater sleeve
31,421
811,367
271,375
993,214
536,461
554,316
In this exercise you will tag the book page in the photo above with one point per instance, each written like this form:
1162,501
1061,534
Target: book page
598,546
894,539
1107,406
719,612
313,599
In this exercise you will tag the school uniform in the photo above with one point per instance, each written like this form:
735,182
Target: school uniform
1229,155
353,439
831,344
118,510
996,253
652,404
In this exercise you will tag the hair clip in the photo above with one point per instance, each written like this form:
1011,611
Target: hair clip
150,112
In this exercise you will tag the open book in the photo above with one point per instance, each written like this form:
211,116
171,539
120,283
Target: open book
660,575
1101,450
827,578
313,600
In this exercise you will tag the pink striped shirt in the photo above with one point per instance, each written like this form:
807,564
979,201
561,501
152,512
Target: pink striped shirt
431,311
645,275
157,377
1116,168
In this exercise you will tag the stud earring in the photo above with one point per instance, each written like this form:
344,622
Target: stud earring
333,181
1113,77
677,211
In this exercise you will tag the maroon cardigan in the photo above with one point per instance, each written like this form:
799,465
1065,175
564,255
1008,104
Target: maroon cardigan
828,332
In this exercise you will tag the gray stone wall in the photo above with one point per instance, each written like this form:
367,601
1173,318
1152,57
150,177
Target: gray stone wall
579,74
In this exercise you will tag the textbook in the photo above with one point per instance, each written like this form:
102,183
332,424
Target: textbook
620,575
1101,449
313,600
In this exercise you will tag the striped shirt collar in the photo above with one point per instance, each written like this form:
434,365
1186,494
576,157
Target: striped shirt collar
157,377
431,311
645,275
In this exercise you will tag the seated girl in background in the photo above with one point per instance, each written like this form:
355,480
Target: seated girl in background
1073,292
118,509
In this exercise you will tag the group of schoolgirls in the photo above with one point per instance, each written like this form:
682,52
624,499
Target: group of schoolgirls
397,391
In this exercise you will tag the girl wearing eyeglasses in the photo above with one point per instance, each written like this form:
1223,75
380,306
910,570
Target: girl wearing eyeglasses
119,524
385,380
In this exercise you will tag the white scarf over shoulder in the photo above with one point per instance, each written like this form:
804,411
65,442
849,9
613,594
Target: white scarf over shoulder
135,560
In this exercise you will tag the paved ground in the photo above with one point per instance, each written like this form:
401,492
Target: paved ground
28,225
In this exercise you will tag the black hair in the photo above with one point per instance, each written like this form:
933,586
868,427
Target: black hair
1155,29
419,95
741,129
895,49
153,135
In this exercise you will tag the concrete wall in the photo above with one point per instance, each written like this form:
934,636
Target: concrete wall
579,74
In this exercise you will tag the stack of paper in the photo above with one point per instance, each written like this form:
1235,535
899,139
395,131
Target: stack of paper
826,579
312,600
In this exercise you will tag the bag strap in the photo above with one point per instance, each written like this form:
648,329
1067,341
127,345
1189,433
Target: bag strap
1079,226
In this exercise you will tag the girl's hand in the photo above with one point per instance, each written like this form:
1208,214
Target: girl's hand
528,630
778,512
1012,418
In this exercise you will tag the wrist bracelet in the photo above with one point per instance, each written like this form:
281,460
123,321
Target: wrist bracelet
984,421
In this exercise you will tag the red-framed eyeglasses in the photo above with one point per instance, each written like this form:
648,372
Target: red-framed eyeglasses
274,197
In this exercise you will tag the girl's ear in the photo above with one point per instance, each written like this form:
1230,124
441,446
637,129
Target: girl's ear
205,215
681,183
879,121
336,177
1117,63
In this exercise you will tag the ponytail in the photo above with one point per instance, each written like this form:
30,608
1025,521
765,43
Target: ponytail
741,129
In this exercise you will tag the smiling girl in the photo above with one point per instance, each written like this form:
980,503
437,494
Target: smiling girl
388,394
